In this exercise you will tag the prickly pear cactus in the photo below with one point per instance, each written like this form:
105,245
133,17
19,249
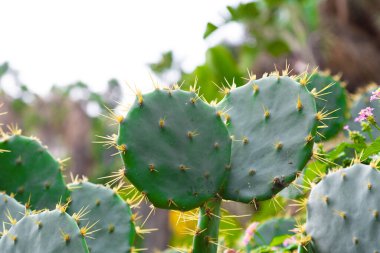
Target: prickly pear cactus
175,147
47,232
99,205
10,211
273,121
30,172
331,96
343,211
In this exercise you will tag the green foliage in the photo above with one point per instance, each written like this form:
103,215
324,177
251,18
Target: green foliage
343,211
109,214
176,149
273,121
30,172
210,28
164,64
49,231
220,68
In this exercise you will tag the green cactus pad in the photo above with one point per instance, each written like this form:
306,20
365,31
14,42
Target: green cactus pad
30,172
273,121
113,217
46,232
177,149
10,209
343,211
331,99
362,102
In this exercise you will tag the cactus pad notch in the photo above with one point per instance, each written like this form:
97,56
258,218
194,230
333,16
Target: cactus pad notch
343,211
273,121
111,215
48,232
30,172
176,149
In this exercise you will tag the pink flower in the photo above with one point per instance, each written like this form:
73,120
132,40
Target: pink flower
375,95
289,241
364,114
346,127
249,232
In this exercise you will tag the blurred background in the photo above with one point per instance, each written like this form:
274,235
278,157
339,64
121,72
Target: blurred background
63,63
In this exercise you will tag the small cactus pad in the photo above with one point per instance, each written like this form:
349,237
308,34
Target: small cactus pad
10,211
176,149
99,205
343,211
273,121
30,172
46,232
331,96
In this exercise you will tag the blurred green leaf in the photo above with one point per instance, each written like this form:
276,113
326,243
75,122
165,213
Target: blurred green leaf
244,11
277,47
210,28
163,64
3,68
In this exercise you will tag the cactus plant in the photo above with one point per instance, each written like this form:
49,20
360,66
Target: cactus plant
47,231
273,121
331,96
110,214
343,211
10,211
175,147
30,172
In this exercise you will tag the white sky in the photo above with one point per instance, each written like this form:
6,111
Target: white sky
60,42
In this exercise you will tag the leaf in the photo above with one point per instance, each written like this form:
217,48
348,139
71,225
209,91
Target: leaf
163,64
372,149
210,28
277,47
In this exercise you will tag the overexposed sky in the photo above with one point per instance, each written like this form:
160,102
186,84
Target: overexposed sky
60,42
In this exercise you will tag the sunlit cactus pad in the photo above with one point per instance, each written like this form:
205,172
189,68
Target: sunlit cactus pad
46,232
273,121
106,213
331,97
10,211
30,172
343,211
176,148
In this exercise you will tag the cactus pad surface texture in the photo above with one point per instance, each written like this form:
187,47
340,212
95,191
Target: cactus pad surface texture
176,148
111,215
10,211
343,211
273,122
45,232
30,172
